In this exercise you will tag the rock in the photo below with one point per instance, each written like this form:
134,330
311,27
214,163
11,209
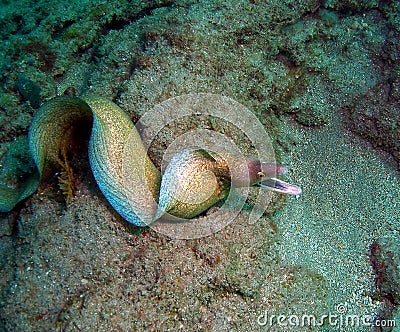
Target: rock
29,90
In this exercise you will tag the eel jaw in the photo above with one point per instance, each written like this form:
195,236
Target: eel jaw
279,186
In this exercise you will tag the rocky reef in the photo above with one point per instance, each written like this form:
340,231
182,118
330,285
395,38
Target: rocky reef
309,70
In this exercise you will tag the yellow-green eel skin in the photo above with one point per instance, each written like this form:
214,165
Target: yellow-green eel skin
111,130
122,169
118,159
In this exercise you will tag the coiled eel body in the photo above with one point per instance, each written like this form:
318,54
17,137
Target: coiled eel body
122,169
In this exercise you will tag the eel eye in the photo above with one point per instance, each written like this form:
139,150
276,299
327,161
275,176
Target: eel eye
260,175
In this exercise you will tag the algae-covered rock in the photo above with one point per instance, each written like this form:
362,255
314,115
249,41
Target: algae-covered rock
18,175
29,90
350,5
81,267
376,117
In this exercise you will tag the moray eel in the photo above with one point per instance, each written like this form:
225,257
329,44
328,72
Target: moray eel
193,181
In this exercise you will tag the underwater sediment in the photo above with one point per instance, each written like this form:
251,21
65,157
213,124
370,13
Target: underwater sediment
314,73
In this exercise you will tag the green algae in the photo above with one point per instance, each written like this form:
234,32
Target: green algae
7,100
328,16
